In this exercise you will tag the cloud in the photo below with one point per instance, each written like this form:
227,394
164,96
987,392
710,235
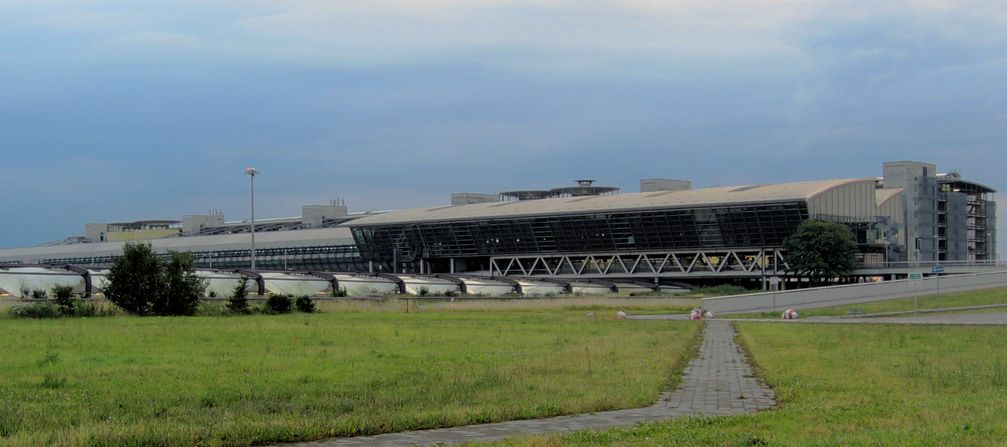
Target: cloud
400,101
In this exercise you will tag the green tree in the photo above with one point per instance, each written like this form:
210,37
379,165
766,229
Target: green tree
63,296
238,302
820,251
182,287
142,284
135,279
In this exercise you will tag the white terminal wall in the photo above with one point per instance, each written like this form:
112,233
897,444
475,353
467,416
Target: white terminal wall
22,281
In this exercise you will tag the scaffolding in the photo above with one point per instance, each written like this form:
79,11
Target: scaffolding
978,234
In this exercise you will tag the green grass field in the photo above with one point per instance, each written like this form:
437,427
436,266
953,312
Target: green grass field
258,379
851,385
959,299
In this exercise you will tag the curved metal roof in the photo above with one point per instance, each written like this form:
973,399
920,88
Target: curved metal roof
885,194
240,241
724,195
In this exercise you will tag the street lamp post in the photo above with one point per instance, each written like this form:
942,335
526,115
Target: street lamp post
251,173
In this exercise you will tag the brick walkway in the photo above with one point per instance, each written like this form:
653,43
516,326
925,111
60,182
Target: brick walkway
717,382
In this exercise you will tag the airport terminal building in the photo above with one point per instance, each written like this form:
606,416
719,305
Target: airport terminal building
910,213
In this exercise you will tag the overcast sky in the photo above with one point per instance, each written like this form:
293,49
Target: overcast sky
125,110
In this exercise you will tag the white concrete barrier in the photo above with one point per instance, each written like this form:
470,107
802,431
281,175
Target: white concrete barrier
852,293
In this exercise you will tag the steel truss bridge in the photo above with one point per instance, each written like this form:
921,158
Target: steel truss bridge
737,263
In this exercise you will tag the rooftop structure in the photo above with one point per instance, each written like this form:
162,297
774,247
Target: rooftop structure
585,187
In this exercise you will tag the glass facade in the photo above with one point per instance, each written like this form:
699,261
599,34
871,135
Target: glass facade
755,225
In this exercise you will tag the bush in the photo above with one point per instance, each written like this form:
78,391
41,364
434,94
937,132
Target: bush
338,292
134,279
238,302
182,288
65,302
77,308
722,290
304,304
278,304
83,309
141,284
34,311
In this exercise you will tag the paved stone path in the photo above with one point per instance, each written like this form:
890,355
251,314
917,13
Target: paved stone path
717,382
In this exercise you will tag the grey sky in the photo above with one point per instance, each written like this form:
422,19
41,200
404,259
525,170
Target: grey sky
115,110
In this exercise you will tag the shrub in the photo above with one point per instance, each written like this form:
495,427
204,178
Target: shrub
424,291
141,284
278,304
83,309
182,288
39,294
304,304
450,293
721,290
65,302
238,302
338,292
34,311
135,279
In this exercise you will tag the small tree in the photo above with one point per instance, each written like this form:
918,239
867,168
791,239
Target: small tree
135,280
63,296
182,287
142,284
821,251
239,297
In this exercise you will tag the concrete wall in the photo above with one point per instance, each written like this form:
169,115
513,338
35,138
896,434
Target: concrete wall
95,232
192,224
851,294
314,215
919,184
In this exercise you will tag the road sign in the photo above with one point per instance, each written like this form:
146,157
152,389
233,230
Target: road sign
915,279
937,269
